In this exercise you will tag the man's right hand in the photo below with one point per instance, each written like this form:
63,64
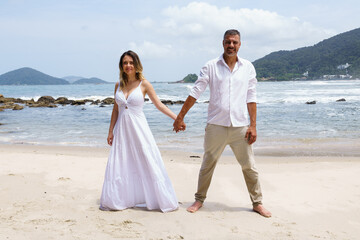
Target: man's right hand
179,125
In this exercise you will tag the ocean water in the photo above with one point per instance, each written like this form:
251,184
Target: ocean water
285,124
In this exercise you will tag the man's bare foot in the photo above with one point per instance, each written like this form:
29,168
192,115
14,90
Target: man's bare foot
194,207
262,211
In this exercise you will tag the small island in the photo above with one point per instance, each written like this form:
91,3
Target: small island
190,78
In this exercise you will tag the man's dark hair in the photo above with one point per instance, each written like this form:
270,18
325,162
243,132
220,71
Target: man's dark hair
231,32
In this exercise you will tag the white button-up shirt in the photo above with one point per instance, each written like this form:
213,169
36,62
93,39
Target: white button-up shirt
229,91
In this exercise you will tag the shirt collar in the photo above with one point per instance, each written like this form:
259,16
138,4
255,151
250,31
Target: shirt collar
221,58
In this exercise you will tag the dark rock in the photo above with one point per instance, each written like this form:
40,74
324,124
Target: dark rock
19,100
108,101
18,107
179,102
83,109
31,101
167,102
7,100
63,101
78,102
341,100
14,100
7,105
41,104
311,102
88,100
96,102
46,99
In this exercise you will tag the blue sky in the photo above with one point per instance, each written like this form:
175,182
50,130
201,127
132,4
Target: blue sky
173,37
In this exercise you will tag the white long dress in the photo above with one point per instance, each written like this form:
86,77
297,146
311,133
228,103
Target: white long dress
135,174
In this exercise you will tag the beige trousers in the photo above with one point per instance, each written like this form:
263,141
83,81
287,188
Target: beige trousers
216,139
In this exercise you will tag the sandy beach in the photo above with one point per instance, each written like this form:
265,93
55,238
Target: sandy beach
52,192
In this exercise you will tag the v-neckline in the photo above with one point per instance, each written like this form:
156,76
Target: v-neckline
126,98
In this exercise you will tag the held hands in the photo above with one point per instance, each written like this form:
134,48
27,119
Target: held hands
179,125
110,138
251,135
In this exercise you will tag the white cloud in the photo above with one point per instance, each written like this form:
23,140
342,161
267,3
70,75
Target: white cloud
151,50
200,26
69,38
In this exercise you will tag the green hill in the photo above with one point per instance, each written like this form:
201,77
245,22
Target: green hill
90,81
339,55
190,78
29,76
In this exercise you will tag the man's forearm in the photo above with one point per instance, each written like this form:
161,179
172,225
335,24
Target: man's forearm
190,101
252,113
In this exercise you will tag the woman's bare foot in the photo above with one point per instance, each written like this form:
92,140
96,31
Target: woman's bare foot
194,207
262,211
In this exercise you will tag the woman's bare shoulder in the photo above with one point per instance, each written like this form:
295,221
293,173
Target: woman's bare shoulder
146,83
116,87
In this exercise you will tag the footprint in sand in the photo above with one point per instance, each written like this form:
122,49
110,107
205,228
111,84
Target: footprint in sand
64,179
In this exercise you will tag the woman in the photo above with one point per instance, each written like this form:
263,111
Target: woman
135,174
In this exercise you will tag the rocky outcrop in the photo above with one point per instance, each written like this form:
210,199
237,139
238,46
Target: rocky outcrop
41,104
96,102
50,102
46,99
167,102
108,101
6,100
78,102
63,101
17,107
311,102
10,105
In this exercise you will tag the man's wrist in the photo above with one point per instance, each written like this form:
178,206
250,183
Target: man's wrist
180,117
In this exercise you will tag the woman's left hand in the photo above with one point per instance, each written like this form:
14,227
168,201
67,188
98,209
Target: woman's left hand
110,138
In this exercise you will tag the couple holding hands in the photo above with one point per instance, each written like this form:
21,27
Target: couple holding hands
135,175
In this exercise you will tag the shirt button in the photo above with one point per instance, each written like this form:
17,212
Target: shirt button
126,107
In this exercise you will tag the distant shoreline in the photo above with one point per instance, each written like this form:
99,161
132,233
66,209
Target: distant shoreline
175,82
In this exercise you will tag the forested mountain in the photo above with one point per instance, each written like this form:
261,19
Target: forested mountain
29,76
339,55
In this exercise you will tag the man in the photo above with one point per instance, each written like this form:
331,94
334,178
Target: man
232,82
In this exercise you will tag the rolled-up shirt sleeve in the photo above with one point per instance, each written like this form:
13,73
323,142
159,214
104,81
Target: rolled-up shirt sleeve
251,93
201,83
